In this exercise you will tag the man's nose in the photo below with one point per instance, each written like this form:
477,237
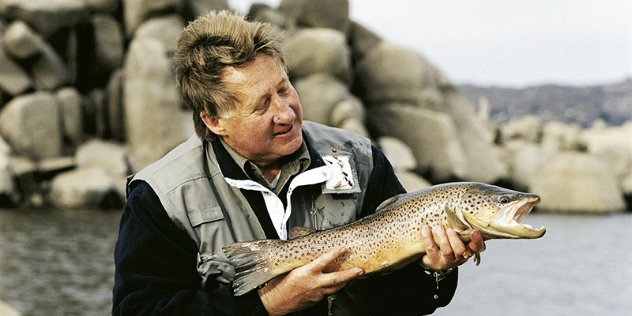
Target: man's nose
284,112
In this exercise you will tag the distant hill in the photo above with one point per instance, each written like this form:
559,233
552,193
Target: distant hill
611,103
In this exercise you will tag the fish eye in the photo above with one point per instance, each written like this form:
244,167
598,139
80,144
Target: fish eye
504,199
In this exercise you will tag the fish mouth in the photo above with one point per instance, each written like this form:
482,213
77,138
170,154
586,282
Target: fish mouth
510,221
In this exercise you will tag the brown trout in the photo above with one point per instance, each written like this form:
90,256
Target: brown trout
391,237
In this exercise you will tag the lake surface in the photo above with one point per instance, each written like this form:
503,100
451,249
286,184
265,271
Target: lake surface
60,263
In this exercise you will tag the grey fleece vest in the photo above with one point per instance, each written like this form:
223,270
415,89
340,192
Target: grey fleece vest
214,212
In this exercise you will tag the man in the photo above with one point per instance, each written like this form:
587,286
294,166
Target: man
254,171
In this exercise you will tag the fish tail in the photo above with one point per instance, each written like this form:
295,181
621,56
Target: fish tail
251,267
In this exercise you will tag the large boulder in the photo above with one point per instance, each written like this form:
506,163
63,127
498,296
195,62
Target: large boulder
332,14
9,196
21,40
525,160
528,128
136,12
164,28
102,6
484,163
154,120
71,111
398,153
558,136
319,93
193,8
13,79
393,73
107,49
431,135
577,182
46,16
315,50
31,124
93,187
108,155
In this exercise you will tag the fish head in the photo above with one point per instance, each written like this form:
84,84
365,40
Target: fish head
498,212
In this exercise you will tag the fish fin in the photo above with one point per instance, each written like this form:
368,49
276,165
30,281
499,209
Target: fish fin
386,202
299,231
454,221
251,268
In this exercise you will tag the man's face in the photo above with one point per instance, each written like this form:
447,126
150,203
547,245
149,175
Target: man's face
266,122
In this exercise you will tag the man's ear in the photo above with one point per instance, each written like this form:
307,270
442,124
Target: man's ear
213,123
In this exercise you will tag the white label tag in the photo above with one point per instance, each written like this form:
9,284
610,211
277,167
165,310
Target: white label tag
343,178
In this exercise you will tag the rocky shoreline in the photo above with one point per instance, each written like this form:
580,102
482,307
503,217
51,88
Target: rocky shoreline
88,97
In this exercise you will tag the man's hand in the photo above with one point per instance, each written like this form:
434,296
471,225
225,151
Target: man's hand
450,251
307,285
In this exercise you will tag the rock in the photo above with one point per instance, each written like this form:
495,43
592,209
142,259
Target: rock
154,120
356,126
264,13
194,8
319,94
13,79
102,6
558,136
393,73
477,141
46,16
5,148
49,167
316,50
110,156
136,12
577,182
49,70
9,196
22,41
166,29
114,100
525,160
431,135
7,310
31,124
411,181
108,44
332,14
348,108
398,153
69,100
362,41
94,187
528,128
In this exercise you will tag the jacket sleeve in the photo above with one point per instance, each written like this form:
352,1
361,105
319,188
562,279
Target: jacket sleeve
410,290
156,270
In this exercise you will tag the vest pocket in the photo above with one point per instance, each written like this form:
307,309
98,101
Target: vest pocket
201,216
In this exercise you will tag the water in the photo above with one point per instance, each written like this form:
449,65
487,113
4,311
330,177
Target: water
60,263
57,262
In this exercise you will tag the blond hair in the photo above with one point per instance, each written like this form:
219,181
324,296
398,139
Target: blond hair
206,47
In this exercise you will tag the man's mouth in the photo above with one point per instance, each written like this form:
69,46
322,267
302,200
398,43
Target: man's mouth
285,131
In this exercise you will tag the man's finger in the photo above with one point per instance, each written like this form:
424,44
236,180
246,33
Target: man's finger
323,261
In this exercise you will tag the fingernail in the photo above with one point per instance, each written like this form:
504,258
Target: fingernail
425,229
476,234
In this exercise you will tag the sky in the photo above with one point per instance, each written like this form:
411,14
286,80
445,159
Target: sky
508,43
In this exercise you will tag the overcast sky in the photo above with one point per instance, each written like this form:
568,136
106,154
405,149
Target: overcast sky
512,43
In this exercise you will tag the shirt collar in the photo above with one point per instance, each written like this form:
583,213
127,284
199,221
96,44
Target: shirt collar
293,164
